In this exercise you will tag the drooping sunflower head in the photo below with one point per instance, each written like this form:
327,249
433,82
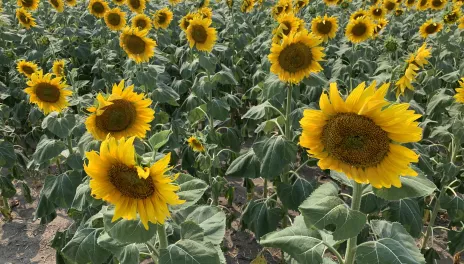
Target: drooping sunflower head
136,6
119,180
377,12
421,55
459,96
299,4
185,21
98,8
206,12
58,68
247,6
381,24
27,68
410,3
362,135
142,22
124,113
162,18
359,30
195,144
115,19
57,4
324,27
423,5
200,34
137,46
71,2
430,28
48,93
389,5
289,24
438,4
119,2
28,4
25,18
452,16
359,13
296,57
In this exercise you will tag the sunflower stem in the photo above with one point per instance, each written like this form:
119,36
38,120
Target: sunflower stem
288,110
355,205
163,239
433,217
70,147
58,165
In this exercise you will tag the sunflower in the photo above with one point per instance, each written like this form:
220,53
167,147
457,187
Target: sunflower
136,6
429,28
48,93
115,19
377,12
281,7
299,4
25,18
461,23
137,46
362,135
296,57
117,179
27,68
203,3
438,4
247,6
28,4
331,2
200,34
415,61
399,12
459,96
359,30
452,16
71,2
58,5
58,68
195,144
142,22
162,18
174,2
381,24
205,12
359,13
389,5
288,25
374,2
423,5
230,3
98,8
185,21
410,3
119,2
324,27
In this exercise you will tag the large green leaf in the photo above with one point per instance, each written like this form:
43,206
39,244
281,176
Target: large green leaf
61,189
325,210
301,243
191,230
125,253
275,153
189,252
257,111
292,195
410,187
456,241
191,190
408,213
261,218
219,109
47,149
83,247
159,139
7,154
83,198
7,188
246,166
454,206
127,231
59,125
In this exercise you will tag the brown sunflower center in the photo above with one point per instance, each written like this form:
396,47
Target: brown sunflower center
55,3
135,4
359,29
117,116
141,23
98,8
128,182
114,19
27,69
288,27
162,18
199,34
196,144
47,92
27,3
432,28
377,12
437,3
186,22
24,18
295,57
451,17
355,140
324,27
410,2
135,44
390,5
300,4
423,3
279,9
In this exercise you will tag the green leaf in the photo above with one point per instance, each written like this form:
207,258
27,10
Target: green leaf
126,254
189,252
219,109
456,241
225,76
26,192
300,242
83,199
191,190
164,94
127,231
47,149
44,208
75,161
438,103
197,114
324,210
275,154
6,187
246,165
206,62
211,219
454,205
408,213
83,247
61,189
7,154
257,111
411,187
159,139
340,177
60,126
292,195
191,230
261,218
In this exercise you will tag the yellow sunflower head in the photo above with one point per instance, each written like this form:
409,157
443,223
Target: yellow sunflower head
459,96
430,28
390,5
299,4
381,24
185,21
200,34
71,2
461,23
247,6
410,3
137,46
124,113
27,68
399,12
162,18
438,4
359,30
452,16
206,12
331,2
28,4
289,24
136,6
324,27
195,144
362,135
115,19
98,8
25,18
119,2
142,22
281,7
296,57
359,13
119,180
58,68
423,5
174,2
48,93
415,61
377,12
57,4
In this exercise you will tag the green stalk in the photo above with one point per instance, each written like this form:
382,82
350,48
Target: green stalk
288,135
163,239
70,145
433,217
6,205
355,205
335,252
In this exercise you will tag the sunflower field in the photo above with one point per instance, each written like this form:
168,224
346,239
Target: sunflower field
233,131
